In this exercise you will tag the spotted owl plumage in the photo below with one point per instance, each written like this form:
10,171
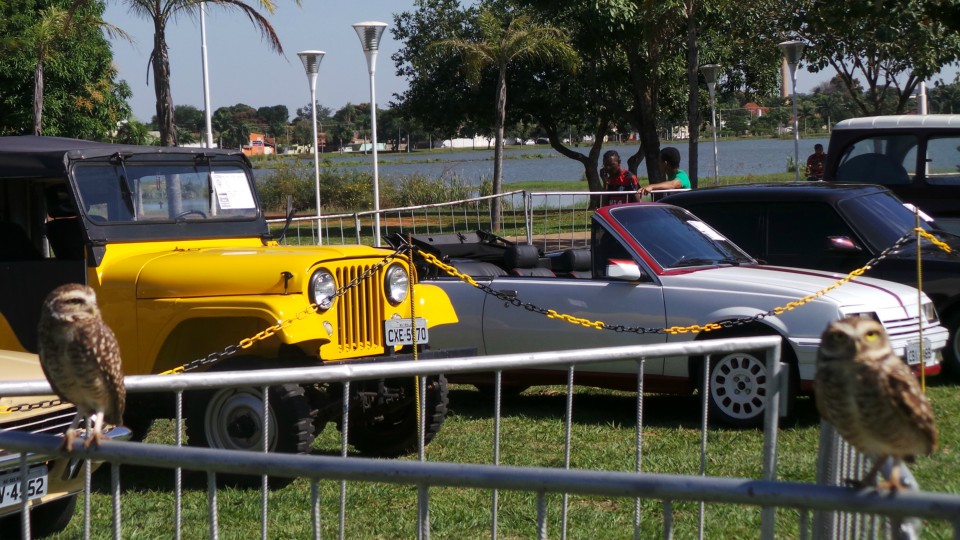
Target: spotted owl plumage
81,359
871,397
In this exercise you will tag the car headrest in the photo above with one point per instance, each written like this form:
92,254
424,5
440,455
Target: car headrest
521,256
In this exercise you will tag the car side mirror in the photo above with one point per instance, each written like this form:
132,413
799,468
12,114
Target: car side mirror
625,270
843,244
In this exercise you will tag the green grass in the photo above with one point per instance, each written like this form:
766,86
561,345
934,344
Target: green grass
532,434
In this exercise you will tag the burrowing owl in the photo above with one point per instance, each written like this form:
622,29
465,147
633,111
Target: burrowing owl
81,359
871,397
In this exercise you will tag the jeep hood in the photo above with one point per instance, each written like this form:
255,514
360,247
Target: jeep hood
200,272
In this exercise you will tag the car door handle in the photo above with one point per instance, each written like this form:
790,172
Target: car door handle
507,293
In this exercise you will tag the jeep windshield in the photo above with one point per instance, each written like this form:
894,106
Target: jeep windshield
133,191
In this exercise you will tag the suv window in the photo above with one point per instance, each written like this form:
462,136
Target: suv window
885,159
943,161
800,228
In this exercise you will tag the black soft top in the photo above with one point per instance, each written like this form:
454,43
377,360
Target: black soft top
32,156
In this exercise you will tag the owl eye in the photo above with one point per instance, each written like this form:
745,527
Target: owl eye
872,335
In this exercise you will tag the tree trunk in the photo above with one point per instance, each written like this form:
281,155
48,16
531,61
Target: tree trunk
161,82
498,149
37,98
590,161
693,103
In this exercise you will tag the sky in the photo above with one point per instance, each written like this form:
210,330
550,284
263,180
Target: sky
243,69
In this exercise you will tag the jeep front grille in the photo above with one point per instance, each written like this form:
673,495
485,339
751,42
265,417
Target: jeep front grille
360,312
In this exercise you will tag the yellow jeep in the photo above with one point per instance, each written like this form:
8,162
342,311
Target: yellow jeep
189,276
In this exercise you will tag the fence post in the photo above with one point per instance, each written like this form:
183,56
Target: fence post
528,215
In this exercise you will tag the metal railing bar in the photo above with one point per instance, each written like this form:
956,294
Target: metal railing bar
213,511
704,425
497,392
264,479
115,496
541,515
924,505
24,500
473,364
315,507
87,483
344,438
667,519
638,459
178,472
423,512
771,419
568,437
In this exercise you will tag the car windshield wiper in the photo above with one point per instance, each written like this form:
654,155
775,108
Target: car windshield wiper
694,261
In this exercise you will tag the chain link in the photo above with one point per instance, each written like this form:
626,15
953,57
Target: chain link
246,343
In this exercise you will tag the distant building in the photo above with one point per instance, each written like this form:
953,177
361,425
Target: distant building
260,145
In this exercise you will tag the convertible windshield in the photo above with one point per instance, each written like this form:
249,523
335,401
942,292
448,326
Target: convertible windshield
120,192
675,238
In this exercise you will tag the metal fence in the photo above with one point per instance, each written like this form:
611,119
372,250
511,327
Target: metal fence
553,220
810,501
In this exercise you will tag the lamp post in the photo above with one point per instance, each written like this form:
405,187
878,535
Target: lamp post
792,51
369,33
206,75
311,64
710,72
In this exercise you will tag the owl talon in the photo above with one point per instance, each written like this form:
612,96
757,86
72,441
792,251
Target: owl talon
68,438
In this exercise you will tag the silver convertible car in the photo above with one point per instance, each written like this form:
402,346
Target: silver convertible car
652,266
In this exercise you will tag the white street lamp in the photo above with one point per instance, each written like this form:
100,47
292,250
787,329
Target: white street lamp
710,72
792,51
369,33
206,75
311,64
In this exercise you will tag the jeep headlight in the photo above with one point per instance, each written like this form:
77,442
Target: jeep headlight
928,312
396,283
323,289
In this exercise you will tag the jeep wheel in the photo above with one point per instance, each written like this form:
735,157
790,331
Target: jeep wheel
232,419
389,429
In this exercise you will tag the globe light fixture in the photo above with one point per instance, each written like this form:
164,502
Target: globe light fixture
792,51
311,65
710,72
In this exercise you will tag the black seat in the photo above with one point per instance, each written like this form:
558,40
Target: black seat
15,245
524,260
576,263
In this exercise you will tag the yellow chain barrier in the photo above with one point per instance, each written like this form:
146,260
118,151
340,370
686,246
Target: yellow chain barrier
550,313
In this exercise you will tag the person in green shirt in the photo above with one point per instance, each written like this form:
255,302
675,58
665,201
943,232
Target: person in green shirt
670,165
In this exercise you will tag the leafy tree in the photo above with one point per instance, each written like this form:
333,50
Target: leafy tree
889,46
56,75
189,118
500,42
162,13
133,132
275,118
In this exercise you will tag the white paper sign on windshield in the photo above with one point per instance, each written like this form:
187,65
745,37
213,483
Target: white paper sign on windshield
706,231
232,190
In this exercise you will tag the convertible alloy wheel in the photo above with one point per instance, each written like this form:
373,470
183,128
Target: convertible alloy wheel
738,389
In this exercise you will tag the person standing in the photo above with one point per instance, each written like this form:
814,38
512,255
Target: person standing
816,163
617,179
670,165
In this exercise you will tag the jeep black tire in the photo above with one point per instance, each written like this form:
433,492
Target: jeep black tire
391,430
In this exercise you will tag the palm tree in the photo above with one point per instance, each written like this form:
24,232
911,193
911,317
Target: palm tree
44,40
162,12
499,43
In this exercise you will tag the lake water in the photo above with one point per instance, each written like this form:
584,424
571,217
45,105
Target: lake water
734,158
